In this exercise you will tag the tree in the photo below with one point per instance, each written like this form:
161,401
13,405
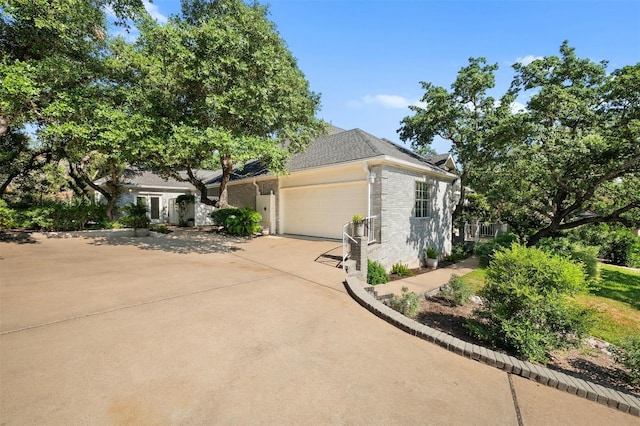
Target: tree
49,53
466,116
223,89
576,159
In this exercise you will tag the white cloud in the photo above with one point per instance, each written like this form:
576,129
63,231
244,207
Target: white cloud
152,9
526,60
386,101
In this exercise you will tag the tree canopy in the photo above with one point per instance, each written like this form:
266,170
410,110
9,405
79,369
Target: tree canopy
571,157
223,89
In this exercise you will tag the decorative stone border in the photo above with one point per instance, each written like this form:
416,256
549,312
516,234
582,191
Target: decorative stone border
582,388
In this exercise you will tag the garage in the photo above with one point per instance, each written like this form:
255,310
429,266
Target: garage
322,210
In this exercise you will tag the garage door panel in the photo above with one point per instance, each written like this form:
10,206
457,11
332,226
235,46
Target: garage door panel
322,211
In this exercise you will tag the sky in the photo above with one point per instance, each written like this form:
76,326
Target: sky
367,58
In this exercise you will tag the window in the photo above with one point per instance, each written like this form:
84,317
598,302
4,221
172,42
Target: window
422,200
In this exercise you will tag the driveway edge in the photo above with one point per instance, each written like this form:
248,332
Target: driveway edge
612,398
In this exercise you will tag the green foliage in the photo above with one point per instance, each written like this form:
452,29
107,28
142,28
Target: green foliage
407,304
243,222
431,253
458,252
161,229
628,353
357,219
527,307
485,251
135,216
584,255
401,270
73,215
376,274
618,245
220,216
7,216
456,291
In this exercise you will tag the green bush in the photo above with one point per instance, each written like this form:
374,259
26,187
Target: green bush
243,222
407,304
456,291
458,252
628,353
220,216
8,216
623,248
577,252
485,251
376,274
431,253
72,215
401,270
528,309
135,216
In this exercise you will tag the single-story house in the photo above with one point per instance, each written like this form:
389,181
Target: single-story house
409,198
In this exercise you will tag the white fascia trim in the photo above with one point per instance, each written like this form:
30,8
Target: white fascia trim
432,171
244,181
159,187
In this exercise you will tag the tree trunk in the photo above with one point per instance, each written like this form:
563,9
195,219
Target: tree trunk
200,186
227,168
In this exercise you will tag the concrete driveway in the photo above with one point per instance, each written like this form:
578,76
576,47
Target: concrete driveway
187,329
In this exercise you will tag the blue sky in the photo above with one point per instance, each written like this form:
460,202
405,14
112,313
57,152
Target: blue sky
367,58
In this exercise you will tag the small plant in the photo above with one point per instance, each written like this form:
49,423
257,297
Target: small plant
7,216
357,219
401,270
458,252
628,354
161,229
456,291
136,216
183,202
407,304
376,274
485,251
431,253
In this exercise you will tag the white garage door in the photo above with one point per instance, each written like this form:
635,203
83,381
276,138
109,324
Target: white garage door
321,211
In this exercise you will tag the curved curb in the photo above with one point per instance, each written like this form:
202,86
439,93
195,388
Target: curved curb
555,379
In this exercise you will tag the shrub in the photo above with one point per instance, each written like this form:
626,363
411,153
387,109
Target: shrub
243,222
431,253
458,252
162,229
7,216
220,216
135,216
407,304
456,291
527,307
376,274
577,252
485,251
401,270
622,247
628,353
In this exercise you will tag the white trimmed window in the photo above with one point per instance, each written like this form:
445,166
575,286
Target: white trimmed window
423,200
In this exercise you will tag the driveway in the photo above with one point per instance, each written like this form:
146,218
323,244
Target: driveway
188,329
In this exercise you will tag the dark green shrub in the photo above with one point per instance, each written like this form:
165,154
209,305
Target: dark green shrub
527,307
220,216
485,251
577,252
8,216
376,274
73,215
407,304
135,216
456,291
622,247
458,252
628,354
401,270
243,222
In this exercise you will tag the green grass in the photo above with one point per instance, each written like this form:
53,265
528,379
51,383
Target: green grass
615,299
475,279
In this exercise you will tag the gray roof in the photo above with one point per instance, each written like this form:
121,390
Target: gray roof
340,146
141,178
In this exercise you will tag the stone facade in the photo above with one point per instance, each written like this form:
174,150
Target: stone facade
402,236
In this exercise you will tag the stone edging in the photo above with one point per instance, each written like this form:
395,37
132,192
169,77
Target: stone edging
555,379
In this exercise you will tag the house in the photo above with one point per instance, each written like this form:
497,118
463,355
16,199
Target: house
408,198
160,194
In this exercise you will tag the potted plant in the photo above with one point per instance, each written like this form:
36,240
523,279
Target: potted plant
431,257
136,218
358,225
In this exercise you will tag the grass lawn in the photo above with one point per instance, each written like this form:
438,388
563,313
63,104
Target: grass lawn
616,299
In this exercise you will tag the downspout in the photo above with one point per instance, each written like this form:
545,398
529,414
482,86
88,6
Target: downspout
366,168
257,187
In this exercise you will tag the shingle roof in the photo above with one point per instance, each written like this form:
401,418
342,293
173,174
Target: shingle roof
141,178
337,147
